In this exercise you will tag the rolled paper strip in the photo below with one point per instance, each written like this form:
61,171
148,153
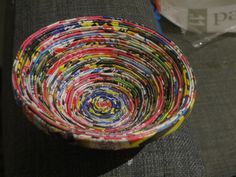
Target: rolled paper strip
103,82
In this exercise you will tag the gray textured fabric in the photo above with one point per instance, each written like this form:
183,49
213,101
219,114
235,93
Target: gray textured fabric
213,118
30,153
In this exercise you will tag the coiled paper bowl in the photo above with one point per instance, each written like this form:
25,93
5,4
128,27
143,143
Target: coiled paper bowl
103,82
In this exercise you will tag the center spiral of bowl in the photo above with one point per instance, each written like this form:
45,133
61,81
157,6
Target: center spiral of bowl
104,82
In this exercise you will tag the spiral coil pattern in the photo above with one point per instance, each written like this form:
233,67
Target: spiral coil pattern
104,82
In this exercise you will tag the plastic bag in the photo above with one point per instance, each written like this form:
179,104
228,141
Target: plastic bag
201,17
